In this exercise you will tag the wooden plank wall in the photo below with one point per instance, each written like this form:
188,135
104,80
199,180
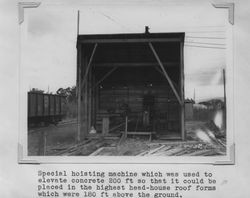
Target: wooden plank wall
167,109
112,98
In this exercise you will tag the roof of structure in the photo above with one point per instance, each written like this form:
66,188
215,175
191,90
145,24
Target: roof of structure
179,36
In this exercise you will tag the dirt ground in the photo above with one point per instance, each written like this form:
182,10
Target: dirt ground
203,139
62,134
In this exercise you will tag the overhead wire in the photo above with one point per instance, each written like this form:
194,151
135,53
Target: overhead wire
222,44
200,46
213,31
201,37
202,41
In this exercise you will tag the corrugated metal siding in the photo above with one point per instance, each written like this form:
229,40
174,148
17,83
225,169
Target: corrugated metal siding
63,106
52,105
32,104
39,105
46,105
57,107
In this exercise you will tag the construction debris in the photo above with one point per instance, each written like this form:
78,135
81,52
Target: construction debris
203,139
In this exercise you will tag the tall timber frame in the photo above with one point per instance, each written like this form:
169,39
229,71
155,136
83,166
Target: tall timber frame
86,82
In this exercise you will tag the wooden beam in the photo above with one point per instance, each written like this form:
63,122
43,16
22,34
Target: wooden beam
85,109
140,132
86,99
165,73
97,105
89,65
84,104
135,64
93,102
126,127
105,126
159,70
105,76
89,100
135,40
78,21
183,135
79,93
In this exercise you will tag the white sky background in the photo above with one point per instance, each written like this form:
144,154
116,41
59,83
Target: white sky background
48,40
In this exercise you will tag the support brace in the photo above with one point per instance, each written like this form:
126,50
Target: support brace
89,65
165,73
105,76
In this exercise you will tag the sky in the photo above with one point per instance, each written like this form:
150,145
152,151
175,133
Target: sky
48,40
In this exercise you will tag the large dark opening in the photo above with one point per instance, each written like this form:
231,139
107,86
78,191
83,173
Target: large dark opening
127,80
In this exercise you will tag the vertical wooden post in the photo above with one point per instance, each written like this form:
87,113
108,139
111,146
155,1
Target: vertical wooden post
182,105
79,92
97,94
94,103
81,98
79,81
86,86
78,21
105,126
85,104
92,100
89,100
126,127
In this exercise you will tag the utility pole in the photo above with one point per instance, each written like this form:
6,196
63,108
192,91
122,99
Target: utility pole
225,103
78,83
194,96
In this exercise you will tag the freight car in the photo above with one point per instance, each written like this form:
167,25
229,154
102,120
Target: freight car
44,109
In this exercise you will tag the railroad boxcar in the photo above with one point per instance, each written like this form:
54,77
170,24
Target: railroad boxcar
45,108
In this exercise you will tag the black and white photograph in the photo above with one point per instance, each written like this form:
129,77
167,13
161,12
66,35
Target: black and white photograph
124,99
98,82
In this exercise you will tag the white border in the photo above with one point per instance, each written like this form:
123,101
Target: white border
218,160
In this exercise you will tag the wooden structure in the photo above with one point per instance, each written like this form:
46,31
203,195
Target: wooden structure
139,76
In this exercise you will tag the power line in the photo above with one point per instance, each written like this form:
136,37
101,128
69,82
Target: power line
213,31
205,46
205,43
205,37
204,73
111,19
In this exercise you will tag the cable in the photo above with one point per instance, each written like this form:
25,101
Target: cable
204,31
110,18
205,47
205,37
205,43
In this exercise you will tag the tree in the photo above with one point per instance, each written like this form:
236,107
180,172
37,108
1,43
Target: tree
35,90
69,93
